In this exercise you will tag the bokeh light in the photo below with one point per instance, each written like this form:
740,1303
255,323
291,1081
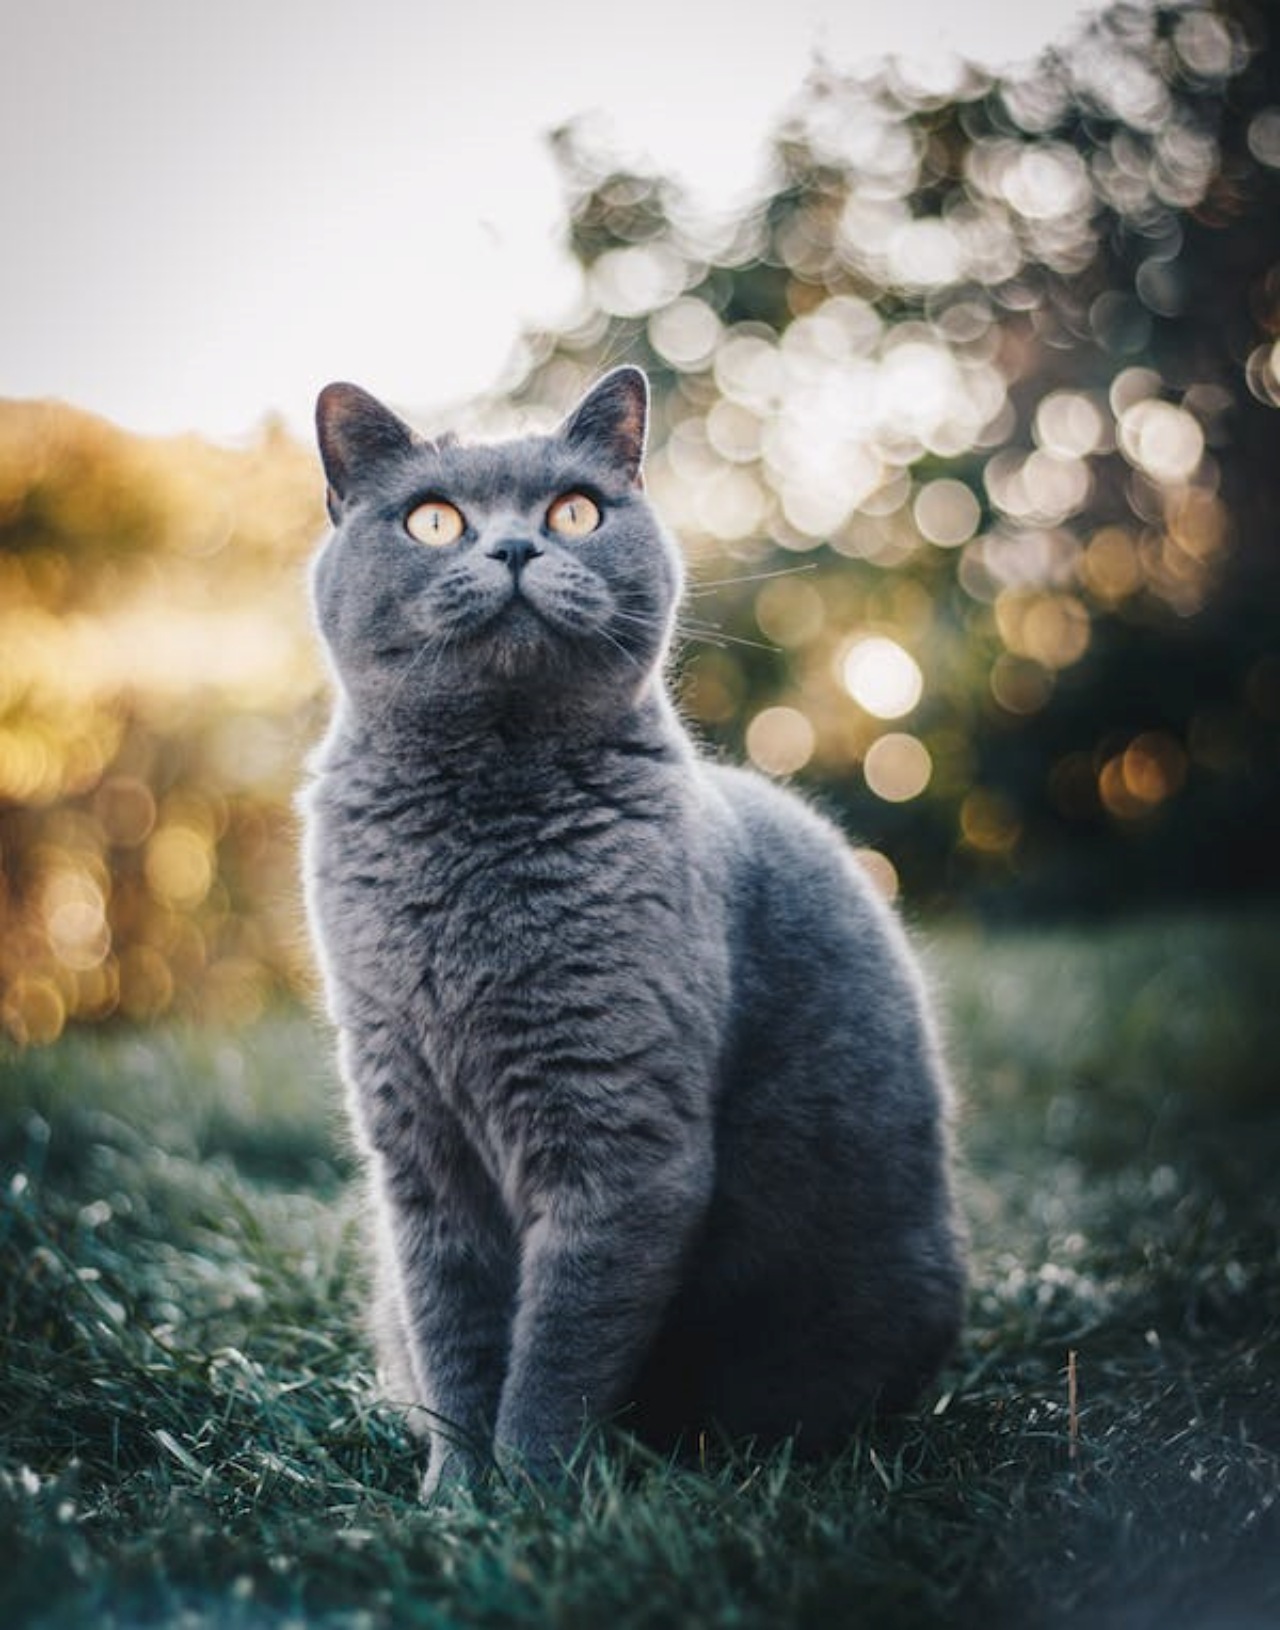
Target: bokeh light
881,677
946,512
989,822
157,691
897,767
1163,440
780,740
790,611
881,870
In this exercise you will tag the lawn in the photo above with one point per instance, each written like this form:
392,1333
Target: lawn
187,1434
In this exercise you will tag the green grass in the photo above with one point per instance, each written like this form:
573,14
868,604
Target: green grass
187,1435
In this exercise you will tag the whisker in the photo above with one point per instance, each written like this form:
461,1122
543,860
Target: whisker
638,618
718,635
685,635
692,630
698,586
432,649
619,646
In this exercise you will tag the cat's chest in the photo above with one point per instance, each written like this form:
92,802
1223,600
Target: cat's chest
456,904
521,947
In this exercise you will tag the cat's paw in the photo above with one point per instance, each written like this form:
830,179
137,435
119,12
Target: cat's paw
450,1470
536,1464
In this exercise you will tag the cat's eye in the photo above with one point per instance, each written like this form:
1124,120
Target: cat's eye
573,515
435,522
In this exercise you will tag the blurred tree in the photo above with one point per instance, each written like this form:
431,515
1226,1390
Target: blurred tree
999,360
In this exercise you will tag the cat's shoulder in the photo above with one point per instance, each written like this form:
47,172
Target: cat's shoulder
794,881
763,806
776,829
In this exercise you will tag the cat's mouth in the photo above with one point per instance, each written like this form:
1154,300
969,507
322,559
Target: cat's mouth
520,613
547,613
463,610
523,628
514,639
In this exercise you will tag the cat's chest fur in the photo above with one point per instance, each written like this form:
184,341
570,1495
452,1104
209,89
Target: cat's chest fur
521,914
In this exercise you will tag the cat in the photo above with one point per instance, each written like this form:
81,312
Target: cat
654,1117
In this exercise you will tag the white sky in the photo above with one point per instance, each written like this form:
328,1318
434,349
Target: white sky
211,207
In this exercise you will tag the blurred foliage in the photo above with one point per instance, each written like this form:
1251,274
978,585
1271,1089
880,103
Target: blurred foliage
967,421
989,369
157,681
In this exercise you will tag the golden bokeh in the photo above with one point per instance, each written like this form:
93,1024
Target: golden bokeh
881,870
158,687
1151,769
881,677
989,822
897,767
780,740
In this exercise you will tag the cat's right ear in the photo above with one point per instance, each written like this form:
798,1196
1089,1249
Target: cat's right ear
612,419
356,435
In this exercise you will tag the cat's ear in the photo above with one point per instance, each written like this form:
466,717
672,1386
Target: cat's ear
612,419
356,435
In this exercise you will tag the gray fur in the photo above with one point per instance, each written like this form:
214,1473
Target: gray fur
652,1109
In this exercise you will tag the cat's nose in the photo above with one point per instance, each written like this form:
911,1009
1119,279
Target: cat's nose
517,552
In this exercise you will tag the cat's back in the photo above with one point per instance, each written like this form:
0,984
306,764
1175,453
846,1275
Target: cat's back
799,895
830,1032
830,1254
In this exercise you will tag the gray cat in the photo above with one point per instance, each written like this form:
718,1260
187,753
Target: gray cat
652,1110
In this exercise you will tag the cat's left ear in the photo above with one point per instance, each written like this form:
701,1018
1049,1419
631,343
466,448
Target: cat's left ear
612,420
356,435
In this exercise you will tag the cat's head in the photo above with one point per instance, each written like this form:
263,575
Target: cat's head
471,577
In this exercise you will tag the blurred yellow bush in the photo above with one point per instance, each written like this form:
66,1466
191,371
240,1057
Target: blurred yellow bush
158,685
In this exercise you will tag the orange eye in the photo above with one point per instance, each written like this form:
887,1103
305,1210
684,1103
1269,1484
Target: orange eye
573,515
435,523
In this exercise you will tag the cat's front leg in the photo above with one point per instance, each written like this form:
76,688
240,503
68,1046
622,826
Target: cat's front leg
447,1264
597,1274
452,1293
